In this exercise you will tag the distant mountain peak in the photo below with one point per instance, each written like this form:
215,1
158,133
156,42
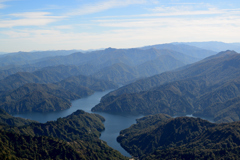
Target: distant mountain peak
227,52
110,48
223,54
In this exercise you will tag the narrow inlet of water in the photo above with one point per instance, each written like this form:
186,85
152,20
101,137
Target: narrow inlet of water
114,123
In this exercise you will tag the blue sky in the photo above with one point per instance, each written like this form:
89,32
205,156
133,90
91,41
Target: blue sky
27,25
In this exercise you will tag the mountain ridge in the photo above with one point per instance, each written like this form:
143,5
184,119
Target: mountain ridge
73,137
182,137
207,82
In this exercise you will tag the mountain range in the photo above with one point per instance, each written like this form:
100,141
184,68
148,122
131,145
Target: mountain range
33,96
95,63
215,46
63,74
23,58
190,89
159,81
189,50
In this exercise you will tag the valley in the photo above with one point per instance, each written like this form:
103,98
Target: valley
83,100
119,80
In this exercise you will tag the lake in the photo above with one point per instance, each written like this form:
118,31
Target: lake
113,125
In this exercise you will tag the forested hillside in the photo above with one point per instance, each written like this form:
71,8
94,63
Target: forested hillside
72,137
188,90
37,97
170,79
161,137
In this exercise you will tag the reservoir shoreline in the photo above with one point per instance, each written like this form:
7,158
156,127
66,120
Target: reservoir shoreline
114,123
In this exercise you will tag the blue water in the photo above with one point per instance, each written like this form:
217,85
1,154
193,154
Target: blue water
113,125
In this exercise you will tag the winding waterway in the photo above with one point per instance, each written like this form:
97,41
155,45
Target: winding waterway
113,125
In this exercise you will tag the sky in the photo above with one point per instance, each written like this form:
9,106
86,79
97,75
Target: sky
28,25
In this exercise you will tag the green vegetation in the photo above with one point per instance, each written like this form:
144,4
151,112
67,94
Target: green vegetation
181,138
78,125
192,154
6,119
194,88
222,112
75,83
123,73
73,137
16,146
215,69
210,88
37,97
100,64
51,97
45,77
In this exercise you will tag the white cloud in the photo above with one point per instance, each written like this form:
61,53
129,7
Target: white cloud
29,19
183,10
152,31
175,16
98,7
15,34
161,25
31,14
3,5
163,11
64,27
171,22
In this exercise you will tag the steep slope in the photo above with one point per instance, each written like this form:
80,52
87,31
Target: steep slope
56,73
72,57
185,96
214,80
48,97
5,72
179,137
136,132
60,71
227,111
37,101
161,64
216,69
123,73
78,125
96,61
74,84
16,80
7,119
134,56
48,75
45,75
117,73
39,97
16,146
110,56
73,137
192,154
172,98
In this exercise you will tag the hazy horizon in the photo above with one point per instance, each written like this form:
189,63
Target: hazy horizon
65,25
